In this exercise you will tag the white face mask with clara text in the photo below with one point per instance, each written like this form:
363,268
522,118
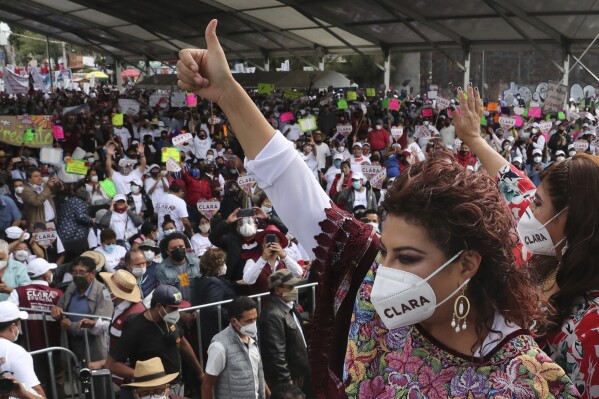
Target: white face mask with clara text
534,234
402,298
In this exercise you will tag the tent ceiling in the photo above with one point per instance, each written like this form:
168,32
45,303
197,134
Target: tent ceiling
136,29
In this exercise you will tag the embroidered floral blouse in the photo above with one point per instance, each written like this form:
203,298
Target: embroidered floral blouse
352,354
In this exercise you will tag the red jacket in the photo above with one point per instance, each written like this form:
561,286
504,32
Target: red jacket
196,189
378,139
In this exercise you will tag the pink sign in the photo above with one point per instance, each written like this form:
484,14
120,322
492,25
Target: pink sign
427,113
192,100
534,112
519,120
286,117
58,132
394,105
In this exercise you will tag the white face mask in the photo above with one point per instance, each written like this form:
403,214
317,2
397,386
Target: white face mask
204,228
535,236
19,190
3,264
247,229
560,158
425,123
537,159
223,270
139,271
571,153
135,189
172,317
169,231
249,330
94,179
340,149
149,255
535,131
45,179
21,255
402,298
378,127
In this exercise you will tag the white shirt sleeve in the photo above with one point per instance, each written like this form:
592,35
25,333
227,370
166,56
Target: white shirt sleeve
14,297
290,185
540,144
252,270
293,266
23,369
101,327
217,359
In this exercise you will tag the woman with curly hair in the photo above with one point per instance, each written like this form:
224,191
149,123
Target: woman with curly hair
557,224
441,312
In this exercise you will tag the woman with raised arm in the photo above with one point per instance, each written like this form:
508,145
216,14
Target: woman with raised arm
557,223
435,308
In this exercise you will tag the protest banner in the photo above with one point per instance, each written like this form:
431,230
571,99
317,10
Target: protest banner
214,120
181,139
342,104
158,98
507,121
286,117
51,156
293,94
519,121
572,116
13,130
58,132
345,130
77,166
545,127
442,103
535,112
427,112
370,92
396,133
431,94
369,171
170,152
555,98
179,99
422,132
307,124
28,136
581,145
352,95
192,100
208,208
385,103
129,107
246,182
172,165
265,88
492,106
394,104
44,238
377,180
108,187
117,119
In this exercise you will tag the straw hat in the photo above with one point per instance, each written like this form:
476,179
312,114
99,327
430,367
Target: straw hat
97,257
123,285
150,373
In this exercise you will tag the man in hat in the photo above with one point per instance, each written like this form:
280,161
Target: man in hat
15,358
258,269
233,353
357,194
84,295
282,341
152,333
39,295
150,380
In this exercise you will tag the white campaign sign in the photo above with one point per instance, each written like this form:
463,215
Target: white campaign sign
422,132
179,99
345,130
507,121
581,146
157,97
556,97
181,139
208,206
127,106
370,170
545,126
171,165
442,103
396,132
51,156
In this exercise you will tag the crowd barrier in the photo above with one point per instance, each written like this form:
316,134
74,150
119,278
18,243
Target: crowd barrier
49,350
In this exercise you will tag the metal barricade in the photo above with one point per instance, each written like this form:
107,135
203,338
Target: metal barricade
257,297
74,382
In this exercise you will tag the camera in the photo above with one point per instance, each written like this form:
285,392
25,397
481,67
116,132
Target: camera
270,238
6,385
247,212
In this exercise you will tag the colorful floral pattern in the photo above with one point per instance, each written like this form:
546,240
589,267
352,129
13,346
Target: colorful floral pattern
405,363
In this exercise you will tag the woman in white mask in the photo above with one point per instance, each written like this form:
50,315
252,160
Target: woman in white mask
556,225
446,315
13,274
199,241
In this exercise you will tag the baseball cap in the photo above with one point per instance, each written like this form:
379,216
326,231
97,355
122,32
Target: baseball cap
338,156
167,295
357,145
537,151
9,312
536,124
282,277
357,176
119,197
39,266
14,233
137,182
517,159
560,152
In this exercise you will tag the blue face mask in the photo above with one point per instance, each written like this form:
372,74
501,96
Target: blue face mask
110,248
267,209
337,164
356,184
195,173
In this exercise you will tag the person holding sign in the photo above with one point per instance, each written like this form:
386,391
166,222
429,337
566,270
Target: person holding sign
37,199
379,138
123,179
404,314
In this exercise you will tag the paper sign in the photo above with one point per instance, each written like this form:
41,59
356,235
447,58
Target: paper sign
535,112
396,133
108,187
422,131
44,238
573,115
51,156
483,121
352,95
519,121
377,180
581,146
157,98
307,124
342,104
561,116
214,120
363,108
385,103
394,105
432,94
544,127
170,152
345,130
246,182
286,117
181,139
555,97
507,121
117,119
442,103
77,167
370,92
192,100
519,110
208,208
130,107
427,112
265,88
492,106
370,170
58,132
172,166
179,99
28,136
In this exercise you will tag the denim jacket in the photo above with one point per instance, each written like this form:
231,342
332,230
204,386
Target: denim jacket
167,274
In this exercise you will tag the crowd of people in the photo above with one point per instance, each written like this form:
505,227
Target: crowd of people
453,253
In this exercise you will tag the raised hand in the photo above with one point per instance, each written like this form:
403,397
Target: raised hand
205,72
467,122
140,149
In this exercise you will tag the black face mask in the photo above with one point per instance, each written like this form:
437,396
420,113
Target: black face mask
80,282
178,254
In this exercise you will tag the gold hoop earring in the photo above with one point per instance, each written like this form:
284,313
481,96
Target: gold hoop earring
461,308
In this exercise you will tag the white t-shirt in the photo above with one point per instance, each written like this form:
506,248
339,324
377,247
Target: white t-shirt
175,207
356,163
200,244
122,225
360,198
160,190
112,259
14,358
322,152
200,147
138,201
217,360
124,134
122,182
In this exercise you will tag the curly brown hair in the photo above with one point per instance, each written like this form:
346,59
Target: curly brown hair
460,210
211,261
